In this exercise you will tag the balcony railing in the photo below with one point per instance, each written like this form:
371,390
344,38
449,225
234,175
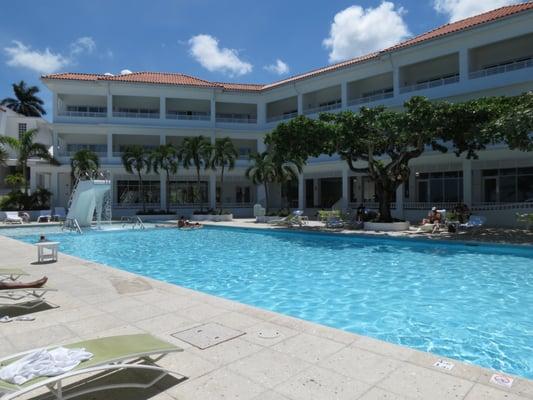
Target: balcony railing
282,117
503,68
370,99
236,119
188,117
70,153
496,206
90,114
123,114
430,84
327,107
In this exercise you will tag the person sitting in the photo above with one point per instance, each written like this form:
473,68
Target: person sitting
184,223
433,217
23,285
360,213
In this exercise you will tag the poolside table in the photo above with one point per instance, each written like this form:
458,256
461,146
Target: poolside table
47,251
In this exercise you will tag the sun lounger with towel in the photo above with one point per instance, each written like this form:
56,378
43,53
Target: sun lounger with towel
26,298
12,217
11,274
109,354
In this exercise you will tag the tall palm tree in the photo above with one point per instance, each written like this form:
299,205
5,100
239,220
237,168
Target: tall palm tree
26,101
135,160
262,172
196,152
224,155
27,148
167,158
84,162
4,153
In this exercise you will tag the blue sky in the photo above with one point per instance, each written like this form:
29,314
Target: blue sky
222,40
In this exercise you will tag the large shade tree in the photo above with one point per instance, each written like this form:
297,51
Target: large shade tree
135,160
224,156
196,152
165,157
26,101
381,143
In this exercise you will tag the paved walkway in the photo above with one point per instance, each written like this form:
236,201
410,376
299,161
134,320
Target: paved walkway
277,357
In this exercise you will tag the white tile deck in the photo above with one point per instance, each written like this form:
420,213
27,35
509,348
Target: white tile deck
306,360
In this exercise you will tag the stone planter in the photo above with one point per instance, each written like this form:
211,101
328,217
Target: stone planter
387,226
212,218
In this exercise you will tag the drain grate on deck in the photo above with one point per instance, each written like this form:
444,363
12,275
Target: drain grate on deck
207,335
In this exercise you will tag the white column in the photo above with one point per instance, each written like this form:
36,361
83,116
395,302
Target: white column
316,192
344,94
109,105
399,201
54,189
345,189
300,104
396,82
213,109
261,113
212,190
467,182
109,146
33,179
55,144
55,105
261,147
163,178
463,65
301,192
162,107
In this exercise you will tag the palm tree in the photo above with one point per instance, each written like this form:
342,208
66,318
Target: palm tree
26,101
224,155
27,148
4,153
196,151
135,160
165,157
262,171
84,162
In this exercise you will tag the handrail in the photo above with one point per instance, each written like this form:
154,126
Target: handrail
430,84
323,108
139,221
500,69
369,99
72,225
91,114
282,117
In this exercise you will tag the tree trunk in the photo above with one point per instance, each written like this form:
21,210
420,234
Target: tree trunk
166,193
266,197
26,178
384,196
141,191
221,189
198,189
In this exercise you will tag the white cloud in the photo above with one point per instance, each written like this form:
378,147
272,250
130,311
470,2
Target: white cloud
43,62
82,45
356,31
279,67
205,49
460,9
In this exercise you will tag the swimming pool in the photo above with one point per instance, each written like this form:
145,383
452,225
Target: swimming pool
472,303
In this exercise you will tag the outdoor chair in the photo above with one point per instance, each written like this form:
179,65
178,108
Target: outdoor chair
26,298
474,222
60,214
44,216
11,274
12,217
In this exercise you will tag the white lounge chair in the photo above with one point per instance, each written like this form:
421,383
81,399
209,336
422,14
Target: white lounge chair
26,298
44,216
11,274
475,221
110,354
334,223
12,217
60,214
259,213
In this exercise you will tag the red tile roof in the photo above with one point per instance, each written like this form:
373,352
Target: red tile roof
165,78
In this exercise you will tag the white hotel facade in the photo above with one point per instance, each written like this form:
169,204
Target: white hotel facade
486,55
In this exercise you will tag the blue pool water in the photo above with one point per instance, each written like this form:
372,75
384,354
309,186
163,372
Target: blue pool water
472,303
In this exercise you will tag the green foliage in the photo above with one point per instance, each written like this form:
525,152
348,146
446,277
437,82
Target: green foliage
15,180
17,200
84,163
135,161
26,101
196,152
527,218
167,158
381,142
324,215
224,156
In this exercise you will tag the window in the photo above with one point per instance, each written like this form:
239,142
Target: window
440,187
187,192
22,128
128,192
244,153
242,194
508,185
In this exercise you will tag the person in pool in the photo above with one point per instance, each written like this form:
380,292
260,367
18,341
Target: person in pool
184,223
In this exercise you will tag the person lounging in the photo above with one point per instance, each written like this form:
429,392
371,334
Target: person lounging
23,285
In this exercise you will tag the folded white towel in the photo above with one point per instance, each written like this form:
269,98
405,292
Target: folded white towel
43,363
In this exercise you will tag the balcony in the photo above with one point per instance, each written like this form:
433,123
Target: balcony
281,110
121,142
69,149
431,83
136,113
502,68
188,115
370,89
380,95
84,111
81,106
322,100
429,74
236,113
136,107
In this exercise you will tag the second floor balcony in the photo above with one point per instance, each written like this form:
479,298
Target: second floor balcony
370,89
430,74
236,113
136,107
322,100
281,110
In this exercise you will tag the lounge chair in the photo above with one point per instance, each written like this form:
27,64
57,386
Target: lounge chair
475,221
334,223
110,354
11,274
60,214
44,216
27,298
12,217
259,213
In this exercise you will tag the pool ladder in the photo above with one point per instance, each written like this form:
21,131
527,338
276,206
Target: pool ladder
72,225
134,221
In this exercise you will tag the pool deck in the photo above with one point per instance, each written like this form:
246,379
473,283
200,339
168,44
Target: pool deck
277,357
